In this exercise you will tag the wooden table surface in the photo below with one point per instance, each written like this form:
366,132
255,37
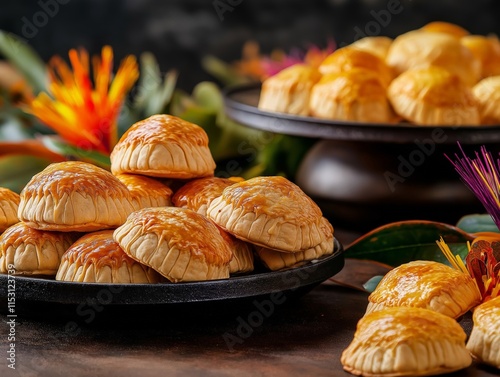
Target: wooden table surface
301,337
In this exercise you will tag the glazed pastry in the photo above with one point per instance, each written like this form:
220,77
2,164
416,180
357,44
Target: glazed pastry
426,284
355,95
180,244
97,258
32,251
484,340
406,342
433,96
163,146
288,91
445,27
74,196
146,192
9,203
199,193
242,260
420,49
487,93
378,46
271,212
487,52
278,260
347,58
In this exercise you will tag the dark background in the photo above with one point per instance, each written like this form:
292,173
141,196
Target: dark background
181,32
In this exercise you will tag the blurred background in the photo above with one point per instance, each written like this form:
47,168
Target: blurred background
181,32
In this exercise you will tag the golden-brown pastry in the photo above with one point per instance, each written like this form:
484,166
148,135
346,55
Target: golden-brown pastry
445,27
199,193
163,146
484,340
9,203
278,260
355,95
347,58
421,49
406,342
242,260
433,96
146,192
271,212
97,258
74,196
487,93
487,52
179,243
31,251
288,91
378,46
426,284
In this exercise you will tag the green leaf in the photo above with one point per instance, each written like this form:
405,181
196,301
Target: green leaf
222,71
404,241
207,95
372,283
17,170
57,145
477,223
25,59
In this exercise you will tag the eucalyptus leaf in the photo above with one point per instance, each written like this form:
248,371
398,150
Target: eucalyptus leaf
25,59
401,242
57,145
477,223
372,283
17,170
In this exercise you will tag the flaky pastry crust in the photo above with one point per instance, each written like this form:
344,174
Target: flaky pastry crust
74,196
426,284
487,94
163,146
97,258
146,191
271,212
32,251
179,243
406,342
9,203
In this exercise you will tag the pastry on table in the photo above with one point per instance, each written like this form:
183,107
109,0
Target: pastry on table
179,243
277,260
378,46
97,258
32,251
426,284
487,52
487,93
484,340
146,191
433,96
347,58
445,27
288,90
199,193
74,196
163,146
9,203
271,212
421,49
406,342
356,95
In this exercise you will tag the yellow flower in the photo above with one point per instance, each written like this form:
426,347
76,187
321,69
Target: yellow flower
82,112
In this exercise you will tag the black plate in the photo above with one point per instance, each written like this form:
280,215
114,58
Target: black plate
240,104
31,294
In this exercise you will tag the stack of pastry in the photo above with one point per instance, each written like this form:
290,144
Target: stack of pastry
78,222
436,75
410,325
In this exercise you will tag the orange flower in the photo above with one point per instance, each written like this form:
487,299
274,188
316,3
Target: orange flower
84,113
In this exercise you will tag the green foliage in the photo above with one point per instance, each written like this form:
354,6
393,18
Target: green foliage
477,223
